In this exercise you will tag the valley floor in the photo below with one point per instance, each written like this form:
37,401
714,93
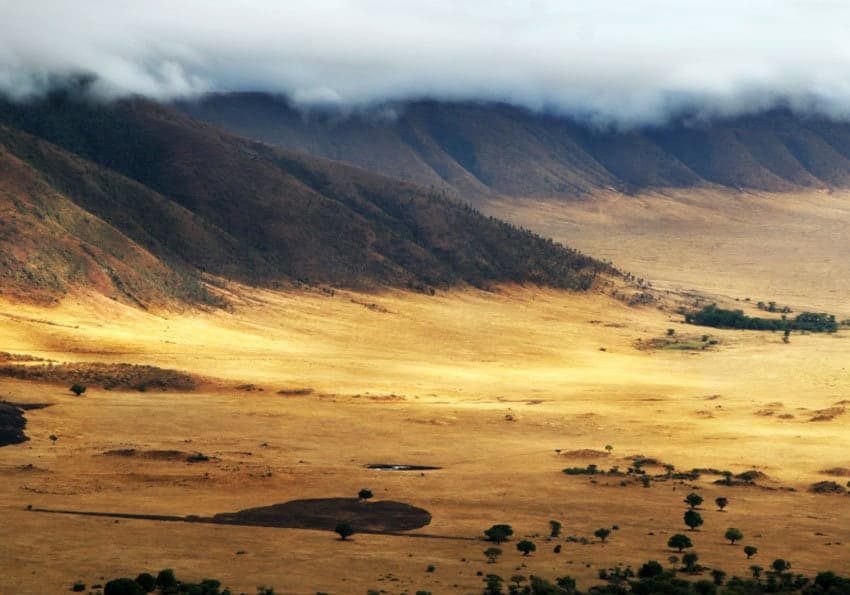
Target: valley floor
501,390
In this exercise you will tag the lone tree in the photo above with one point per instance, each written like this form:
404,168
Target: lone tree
365,494
344,530
733,535
693,500
492,554
499,533
602,534
526,547
721,503
693,519
750,550
680,542
78,388
554,528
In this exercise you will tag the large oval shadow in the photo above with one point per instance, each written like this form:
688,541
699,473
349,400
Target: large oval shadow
326,513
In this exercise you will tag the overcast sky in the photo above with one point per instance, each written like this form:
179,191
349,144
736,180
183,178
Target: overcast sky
623,61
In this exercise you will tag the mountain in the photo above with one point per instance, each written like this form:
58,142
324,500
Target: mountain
140,201
478,150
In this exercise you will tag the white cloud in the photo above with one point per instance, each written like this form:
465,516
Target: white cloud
611,60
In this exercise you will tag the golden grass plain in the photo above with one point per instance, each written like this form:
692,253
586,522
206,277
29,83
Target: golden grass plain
485,385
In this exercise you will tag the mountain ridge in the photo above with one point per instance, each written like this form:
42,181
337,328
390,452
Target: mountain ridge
484,150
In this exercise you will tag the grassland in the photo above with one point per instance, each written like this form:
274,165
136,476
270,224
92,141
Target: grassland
502,390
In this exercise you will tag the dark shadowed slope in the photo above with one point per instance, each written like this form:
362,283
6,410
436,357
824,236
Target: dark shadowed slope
480,150
142,199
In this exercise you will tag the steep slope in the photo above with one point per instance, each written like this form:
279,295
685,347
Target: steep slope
484,150
186,198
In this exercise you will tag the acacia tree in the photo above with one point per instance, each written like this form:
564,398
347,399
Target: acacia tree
679,541
693,519
499,533
77,388
526,547
750,550
364,494
721,503
733,535
602,533
693,500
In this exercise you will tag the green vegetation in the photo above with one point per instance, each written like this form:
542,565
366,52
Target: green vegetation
554,528
733,535
499,533
77,388
344,530
602,534
679,541
713,316
526,547
693,519
693,500
364,494
750,550
492,554
721,502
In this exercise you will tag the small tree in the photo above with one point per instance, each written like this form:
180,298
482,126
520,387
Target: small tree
750,550
690,561
344,530
499,533
693,519
679,541
78,388
554,528
602,533
718,576
721,503
364,494
693,500
780,565
492,554
609,448
53,438
756,570
733,535
526,547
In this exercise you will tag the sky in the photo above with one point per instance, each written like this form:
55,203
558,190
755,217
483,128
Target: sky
612,61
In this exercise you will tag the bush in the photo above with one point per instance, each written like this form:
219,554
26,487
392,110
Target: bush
750,550
679,541
77,389
499,533
365,494
78,587
733,535
344,530
166,580
146,581
554,528
123,586
526,547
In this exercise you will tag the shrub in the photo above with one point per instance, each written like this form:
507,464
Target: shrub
721,502
492,554
146,581
123,586
750,550
78,587
365,494
602,534
77,389
693,500
554,528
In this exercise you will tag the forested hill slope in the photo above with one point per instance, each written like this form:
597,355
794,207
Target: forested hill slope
141,199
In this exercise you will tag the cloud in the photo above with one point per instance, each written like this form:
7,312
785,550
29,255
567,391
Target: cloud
611,61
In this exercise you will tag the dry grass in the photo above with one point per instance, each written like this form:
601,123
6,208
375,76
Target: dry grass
460,366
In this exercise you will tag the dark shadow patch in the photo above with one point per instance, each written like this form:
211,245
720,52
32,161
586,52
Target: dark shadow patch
12,424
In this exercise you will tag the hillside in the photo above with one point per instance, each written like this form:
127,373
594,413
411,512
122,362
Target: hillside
139,200
481,150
